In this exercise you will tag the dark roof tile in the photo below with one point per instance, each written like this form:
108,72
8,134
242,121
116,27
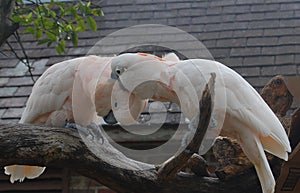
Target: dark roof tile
9,63
276,70
23,91
181,5
259,60
39,67
264,24
13,102
7,91
3,81
7,121
262,41
249,16
13,113
250,71
20,81
249,51
285,59
236,9
221,3
57,59
265,7
2,111
19,70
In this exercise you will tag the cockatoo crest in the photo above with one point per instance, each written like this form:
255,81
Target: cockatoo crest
171,57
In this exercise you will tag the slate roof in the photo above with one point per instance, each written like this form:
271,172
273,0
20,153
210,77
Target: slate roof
258,39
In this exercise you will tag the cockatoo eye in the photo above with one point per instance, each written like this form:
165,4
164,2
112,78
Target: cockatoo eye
118,71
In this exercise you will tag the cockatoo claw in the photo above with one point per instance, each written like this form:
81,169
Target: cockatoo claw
70,125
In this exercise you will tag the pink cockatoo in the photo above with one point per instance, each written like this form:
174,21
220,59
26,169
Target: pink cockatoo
239,111
77,90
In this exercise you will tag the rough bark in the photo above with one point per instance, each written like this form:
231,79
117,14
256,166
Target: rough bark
7,28
63,147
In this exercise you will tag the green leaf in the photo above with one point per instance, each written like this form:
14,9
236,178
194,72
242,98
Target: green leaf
43,41
60,48
97,12
74,39
29,30
49,44
52,36
38,33
80,23
92,23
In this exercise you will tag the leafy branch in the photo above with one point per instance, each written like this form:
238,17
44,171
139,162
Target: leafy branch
56,22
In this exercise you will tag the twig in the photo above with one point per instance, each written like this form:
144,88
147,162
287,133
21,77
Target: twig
26,63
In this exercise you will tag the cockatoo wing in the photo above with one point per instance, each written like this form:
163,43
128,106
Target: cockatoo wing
255,126
49,94
84,88
51,90
246,105
190,78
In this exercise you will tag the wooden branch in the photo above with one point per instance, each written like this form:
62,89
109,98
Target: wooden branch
277,96
7,28
63,147
171,167
295,128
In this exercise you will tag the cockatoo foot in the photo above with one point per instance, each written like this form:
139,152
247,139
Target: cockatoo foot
70,125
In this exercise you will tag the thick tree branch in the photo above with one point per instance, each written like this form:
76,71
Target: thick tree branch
63,147
7,28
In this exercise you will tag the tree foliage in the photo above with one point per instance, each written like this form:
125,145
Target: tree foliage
56,22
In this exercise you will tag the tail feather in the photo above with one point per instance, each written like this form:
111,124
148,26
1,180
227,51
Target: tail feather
263,170
20,172
274,146
253,149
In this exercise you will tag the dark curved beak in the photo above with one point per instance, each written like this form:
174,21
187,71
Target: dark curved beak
114,76
110,118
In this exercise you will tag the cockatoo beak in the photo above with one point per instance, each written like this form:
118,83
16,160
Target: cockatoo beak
110,118
114,76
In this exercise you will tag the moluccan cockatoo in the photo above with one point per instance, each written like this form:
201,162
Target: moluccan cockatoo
78,87
247,117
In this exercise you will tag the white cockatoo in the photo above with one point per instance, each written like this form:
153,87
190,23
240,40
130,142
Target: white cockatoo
246,117
78,87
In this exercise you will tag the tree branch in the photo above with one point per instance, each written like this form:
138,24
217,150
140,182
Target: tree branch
7,28
63,147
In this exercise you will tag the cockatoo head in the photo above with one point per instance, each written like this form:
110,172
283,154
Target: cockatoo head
137,71
137,74
123,62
